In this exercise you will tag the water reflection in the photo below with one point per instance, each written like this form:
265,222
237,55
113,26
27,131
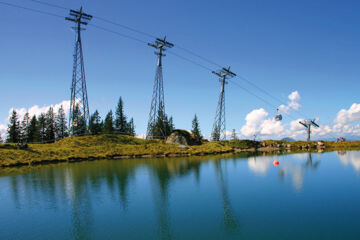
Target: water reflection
297,169
229,217
182,198
350,158
259,165
79,187
159,180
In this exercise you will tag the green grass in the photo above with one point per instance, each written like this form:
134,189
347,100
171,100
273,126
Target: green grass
118,146
95,147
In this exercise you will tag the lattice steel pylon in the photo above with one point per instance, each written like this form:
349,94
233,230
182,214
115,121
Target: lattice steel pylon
79,106
219,127
157,108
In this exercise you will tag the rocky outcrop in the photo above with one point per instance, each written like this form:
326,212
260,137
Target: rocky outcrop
320,145
180,137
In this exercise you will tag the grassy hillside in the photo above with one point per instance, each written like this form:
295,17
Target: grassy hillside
101,146
119,146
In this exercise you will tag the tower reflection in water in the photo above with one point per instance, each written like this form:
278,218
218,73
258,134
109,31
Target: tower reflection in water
79,188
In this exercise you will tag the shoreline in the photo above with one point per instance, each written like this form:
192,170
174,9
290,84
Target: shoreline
111,147
275,151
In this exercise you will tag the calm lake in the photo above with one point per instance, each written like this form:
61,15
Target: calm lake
307,196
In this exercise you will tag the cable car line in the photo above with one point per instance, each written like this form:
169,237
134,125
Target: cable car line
179,47
175,54
50,4
141,41
191,61
31,9
117,33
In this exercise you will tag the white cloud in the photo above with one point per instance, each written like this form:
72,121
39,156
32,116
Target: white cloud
349,116
253,122
293,104
258,123
142,136
3,129
34,110
271,127
345,124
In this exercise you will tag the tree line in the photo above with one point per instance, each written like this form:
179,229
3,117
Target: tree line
112,125
50,126
47,127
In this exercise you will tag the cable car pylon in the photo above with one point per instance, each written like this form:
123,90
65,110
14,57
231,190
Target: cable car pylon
219,127
157,109
307,123
79,106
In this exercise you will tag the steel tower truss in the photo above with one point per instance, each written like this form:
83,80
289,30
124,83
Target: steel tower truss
157,109
219,127
79,98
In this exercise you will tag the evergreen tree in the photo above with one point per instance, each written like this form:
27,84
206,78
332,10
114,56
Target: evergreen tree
1,141
121,125
109,123
50,125
163,126
196,130
131,127
13,130
78,126
61,124
95,124
42,127
170,126
24,131
33,131
233,135
215,136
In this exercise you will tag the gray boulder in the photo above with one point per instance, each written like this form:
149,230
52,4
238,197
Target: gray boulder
180,137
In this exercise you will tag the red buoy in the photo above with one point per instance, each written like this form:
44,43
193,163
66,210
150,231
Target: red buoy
276,162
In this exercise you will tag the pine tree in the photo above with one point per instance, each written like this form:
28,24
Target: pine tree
78,126
131,127
121,125
109,123
1,141
33,132
50,125
24,130
13,130
163,126
233,135
61,124
42,127
95,124
215,136
196,130
170,126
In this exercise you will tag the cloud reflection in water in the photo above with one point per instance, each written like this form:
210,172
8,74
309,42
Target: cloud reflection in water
350,158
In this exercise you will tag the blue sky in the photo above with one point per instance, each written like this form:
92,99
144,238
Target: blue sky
283,46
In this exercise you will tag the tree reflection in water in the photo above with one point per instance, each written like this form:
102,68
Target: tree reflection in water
74,186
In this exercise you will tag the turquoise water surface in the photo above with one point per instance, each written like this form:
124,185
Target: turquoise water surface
307,196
